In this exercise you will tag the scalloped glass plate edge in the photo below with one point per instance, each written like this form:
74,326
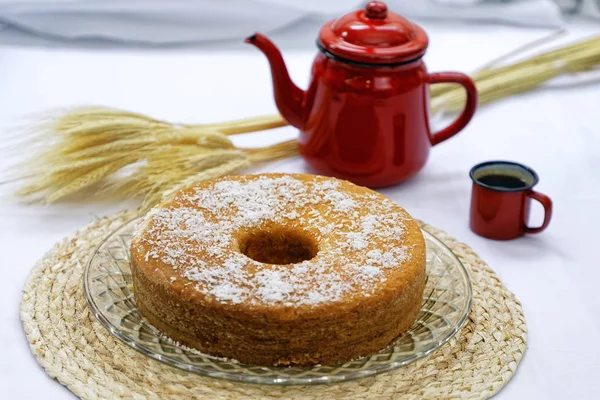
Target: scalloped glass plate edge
212,367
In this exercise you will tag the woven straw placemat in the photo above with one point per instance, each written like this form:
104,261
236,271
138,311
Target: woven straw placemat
72,346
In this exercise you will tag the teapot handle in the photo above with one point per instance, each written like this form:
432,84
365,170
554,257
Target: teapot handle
470,106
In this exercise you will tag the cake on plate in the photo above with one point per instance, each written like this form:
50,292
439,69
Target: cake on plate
279,269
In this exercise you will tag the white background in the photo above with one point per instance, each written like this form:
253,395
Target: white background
554,130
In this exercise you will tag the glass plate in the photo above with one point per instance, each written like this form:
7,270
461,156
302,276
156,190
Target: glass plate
108,290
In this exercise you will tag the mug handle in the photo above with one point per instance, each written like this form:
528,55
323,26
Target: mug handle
470,106
547,203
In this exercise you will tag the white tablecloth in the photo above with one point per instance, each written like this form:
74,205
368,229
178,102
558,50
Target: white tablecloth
554,130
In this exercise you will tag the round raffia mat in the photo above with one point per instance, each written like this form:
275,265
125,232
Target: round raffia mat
81,354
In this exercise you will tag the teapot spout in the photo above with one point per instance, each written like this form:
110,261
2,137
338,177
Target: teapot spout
289,98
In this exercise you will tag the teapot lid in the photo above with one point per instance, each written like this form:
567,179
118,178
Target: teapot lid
374,35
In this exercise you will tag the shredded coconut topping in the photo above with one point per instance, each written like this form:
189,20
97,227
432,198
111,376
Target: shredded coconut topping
358,235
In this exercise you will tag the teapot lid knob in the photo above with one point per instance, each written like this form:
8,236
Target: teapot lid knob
376,10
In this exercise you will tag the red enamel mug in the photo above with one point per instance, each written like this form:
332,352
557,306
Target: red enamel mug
365,114
501,199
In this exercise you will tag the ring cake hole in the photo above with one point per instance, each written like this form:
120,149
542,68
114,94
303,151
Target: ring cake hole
278,245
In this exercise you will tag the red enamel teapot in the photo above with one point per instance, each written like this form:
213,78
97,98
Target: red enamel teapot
365,115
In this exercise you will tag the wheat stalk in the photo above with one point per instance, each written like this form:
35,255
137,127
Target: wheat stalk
87,145
498,82
138,156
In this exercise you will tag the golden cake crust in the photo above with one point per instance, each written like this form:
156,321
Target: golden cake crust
346,278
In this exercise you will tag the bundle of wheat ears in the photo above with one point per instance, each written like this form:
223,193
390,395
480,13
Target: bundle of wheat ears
132,155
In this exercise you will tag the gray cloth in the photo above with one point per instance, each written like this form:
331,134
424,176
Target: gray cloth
183,21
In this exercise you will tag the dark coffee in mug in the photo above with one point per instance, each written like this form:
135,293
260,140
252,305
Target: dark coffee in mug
503,181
